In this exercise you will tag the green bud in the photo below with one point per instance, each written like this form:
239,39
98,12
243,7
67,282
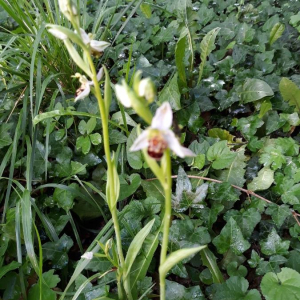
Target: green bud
147,90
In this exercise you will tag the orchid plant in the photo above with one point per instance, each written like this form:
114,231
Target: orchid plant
156,142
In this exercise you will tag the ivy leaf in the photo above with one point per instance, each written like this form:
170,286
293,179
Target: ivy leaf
184,234
175,291
128,185
248,126
263,181
56,252
236,170
220,155
278,213
233,269
254,260
95,138
272,265
83,143
231,237
170,93
255,89
153,189
135,159
290,92
247,220
64,198
284,285
274,244
235,288
184,197
272,157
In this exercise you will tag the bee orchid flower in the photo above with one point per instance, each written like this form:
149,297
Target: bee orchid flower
85,88
158,137
97,47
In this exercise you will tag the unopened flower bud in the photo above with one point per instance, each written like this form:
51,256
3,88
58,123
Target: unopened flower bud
147,90
69,10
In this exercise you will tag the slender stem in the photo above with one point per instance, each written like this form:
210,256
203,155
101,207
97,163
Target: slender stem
167,218
105,133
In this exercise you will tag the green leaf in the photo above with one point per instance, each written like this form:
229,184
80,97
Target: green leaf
153,189
184,234
5,139
290,92
65,198
176,291
170,93
56,252
5,269
129,185
220,155
90,125
82,127
284,285
50,279
135,159
207,45
235,174
107,91
274,244
272,157
233,269
278,213
231,237
276,33
177,256
179,58
95,138
209,260
247,220
235,288
263,181
136,246
255,89
83,143
146,9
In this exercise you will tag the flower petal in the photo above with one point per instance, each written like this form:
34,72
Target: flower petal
58,34
122,94
84,93
141,142
100,74
163,117
99,46
87,255
175,146
85,38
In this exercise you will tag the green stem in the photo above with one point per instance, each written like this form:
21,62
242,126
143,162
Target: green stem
167,218
114,212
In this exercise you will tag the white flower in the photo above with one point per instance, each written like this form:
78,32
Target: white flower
85,87
97,47
87,255
123,93
67,8
146,89
158,137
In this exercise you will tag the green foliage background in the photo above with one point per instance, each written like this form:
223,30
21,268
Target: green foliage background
230,70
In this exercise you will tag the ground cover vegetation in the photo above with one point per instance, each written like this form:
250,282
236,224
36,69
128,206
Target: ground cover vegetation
87,212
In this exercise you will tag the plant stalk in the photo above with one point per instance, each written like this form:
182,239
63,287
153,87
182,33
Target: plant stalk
167,218
114,214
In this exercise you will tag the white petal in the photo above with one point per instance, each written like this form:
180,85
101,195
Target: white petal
175,146
84,93
100,74
122,95
163,117
141,142
99,46
58,34
142,87
84,36
87,255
